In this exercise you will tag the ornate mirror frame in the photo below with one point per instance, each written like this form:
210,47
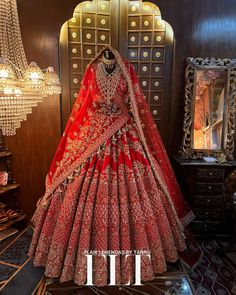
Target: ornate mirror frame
229,116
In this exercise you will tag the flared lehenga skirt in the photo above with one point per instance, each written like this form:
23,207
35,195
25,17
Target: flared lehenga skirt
113,202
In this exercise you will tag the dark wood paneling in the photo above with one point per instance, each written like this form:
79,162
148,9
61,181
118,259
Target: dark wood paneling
32,150
202,28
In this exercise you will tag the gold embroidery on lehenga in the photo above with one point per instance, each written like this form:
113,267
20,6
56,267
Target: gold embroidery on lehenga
108,191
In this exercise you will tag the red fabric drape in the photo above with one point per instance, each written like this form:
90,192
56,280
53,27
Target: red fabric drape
75,146
158,151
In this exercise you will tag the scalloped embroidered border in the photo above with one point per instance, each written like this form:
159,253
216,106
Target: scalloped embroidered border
112,129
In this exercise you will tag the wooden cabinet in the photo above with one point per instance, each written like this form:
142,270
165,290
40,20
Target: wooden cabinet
203,187
9,192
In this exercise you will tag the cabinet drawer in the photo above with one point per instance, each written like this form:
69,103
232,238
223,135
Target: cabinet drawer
210,174
202,226
209,188
204,214
208,201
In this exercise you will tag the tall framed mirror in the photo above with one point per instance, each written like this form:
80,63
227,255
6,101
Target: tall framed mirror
210,106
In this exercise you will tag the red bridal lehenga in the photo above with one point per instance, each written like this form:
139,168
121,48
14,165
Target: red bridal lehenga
110,186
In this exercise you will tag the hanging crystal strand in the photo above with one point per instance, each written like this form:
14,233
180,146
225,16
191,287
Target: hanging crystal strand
11,35
10,110
3,12
14,108
22,86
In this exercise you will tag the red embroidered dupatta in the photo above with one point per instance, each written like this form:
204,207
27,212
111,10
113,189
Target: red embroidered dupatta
76,146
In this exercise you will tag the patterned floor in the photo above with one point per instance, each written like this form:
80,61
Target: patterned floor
14,256
213,276
15,266
170,283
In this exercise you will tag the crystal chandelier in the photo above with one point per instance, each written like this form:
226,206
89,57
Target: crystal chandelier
22,86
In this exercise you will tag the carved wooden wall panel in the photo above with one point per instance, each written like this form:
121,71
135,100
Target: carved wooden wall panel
149,46
82,37
137,30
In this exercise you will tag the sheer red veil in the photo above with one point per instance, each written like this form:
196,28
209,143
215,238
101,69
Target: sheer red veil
66,160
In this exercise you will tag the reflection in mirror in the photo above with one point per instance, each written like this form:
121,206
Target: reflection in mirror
208,109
